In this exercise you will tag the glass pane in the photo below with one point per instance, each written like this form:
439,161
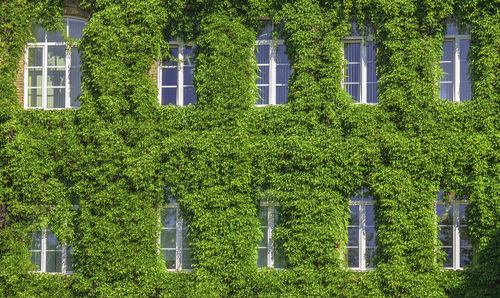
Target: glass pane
446,236
445,213
263,240
354,212
55,36
276,215
465,256
189,96
372,93
38,32
370,215
464,236
75,57
169,258
353,257
353,90
35,57
448,262
352,52
169,218
36,240
75,29
281,94
262,54
56,77
369,254
56,56
461,213
189,56
282,74
188,75
263,95
370,236
279,259
169,77
168,237
451,28
262,257
263,75
446,91
463,50
353,73
281,56
36,259
186,259
353,236
56,97
185,238
265,33
35,98
371,51
175,54
52,243
370,72
35,77
464,71
448,71
75,83
168,96
448,51
263,215
53,262
69,259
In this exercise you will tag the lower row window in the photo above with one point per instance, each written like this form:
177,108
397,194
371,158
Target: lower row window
48,254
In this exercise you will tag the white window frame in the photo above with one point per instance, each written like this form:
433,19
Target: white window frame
43,255
363,86
179,226
273,45
361,231
456,231
44,45
272,208
455,38
180,45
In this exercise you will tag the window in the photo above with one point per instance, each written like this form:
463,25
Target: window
267,255
174,243
175,76
361,78
52,76
48,254
453,232
361,229
274,68
455,82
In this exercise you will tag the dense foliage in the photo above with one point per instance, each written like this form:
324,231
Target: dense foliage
117,155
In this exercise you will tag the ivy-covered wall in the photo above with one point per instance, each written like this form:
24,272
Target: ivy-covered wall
120,151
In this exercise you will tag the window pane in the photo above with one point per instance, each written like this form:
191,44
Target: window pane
264,95
55,36
262,54
169,218
55,97
35,98
353,236
168,237
448,262
169,258
352,52
185,238
168,96
75,29
464,236
69,259
369,254
370,72
263,211
445,213
36,240
35,77
36,259
186,259
52,243
372,93
75,58
56,56
354,218
370,215
189,96
174,51
353,90
282,74
463,50
265,33
446,236
446,91
465,256
53,262
263,240
38,32
56,77
262,257
281,94
188,75
370,236
281,56
169,77
353,257
263,75
448,51
75,83
353,73
448,71
461,213
35,57
371,51
189,56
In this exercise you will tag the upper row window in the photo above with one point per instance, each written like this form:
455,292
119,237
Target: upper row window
52,76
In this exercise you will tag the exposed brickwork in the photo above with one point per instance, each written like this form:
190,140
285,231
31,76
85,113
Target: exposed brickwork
20,81
72,9
153,72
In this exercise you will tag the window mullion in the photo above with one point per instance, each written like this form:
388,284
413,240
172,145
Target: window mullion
44,252
270,229
180,75
272,74
363,85
178,242
44,76
362,236
456,237
456,66
68,73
